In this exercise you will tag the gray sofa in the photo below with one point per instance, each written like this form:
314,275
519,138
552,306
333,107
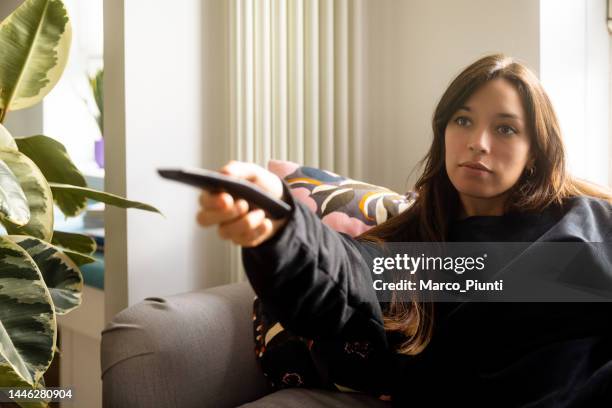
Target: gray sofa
196,350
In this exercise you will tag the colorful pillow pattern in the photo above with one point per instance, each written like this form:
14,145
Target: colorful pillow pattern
343,204
347,206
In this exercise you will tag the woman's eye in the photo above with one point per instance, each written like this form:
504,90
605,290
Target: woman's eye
506,130
462,121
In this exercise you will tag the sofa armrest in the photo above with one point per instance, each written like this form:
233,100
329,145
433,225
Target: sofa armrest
189,350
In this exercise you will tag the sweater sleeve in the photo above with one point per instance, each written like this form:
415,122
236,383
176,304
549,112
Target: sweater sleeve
316,281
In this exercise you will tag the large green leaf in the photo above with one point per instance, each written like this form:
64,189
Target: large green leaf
61,274
73,241
37,192
27,320
97,87
34,47
13,202
78,258
52,159
102,197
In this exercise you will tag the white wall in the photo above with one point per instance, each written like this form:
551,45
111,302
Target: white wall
166,99
412,50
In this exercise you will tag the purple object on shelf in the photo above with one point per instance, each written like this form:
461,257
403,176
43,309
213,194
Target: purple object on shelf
99,152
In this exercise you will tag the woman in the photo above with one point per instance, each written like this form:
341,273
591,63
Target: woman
495,172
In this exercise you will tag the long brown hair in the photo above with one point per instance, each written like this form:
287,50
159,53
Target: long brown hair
438,201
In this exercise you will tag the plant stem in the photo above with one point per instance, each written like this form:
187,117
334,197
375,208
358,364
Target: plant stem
2,115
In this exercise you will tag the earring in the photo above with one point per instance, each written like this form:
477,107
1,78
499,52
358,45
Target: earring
530,171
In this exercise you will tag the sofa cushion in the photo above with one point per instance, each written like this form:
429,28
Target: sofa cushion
303,398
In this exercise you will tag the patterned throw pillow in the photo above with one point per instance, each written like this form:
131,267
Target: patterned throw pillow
343,204
347,206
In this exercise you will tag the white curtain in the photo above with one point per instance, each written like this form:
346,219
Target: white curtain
294,85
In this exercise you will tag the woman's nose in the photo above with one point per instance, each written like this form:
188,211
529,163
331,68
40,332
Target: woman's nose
479,141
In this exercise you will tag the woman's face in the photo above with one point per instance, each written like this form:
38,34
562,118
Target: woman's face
487,142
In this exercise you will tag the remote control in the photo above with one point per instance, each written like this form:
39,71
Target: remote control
215,182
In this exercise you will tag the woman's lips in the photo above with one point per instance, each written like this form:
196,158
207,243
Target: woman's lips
475,168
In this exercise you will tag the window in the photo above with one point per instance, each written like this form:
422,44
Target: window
575,70
69,110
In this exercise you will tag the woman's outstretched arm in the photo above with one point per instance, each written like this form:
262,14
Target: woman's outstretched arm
316,281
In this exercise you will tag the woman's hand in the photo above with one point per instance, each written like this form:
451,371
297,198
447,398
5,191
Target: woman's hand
236,223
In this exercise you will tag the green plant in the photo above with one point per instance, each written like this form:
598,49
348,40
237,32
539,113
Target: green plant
96,83
39,267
